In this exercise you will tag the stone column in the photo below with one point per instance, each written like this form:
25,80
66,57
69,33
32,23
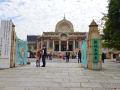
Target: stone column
111,55
41,43
79,44
59,45
73,44
53,45
67,44
47,44
32,47
38,44
94,50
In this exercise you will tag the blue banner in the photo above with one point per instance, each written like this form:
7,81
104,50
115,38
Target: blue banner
21,52
84,53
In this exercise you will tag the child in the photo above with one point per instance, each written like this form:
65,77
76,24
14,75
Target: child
38,56
50,56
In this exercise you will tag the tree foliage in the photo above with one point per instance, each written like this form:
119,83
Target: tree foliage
112,25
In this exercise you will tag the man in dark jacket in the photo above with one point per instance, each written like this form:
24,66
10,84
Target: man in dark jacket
67,56
79,56
44,53
103,57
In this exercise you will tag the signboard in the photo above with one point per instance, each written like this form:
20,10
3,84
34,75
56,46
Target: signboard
95,50
5,43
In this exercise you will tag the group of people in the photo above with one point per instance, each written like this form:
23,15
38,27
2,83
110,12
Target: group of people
79,56
42,53
68,56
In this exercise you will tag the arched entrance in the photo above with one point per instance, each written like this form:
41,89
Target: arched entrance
70,45
63,45
56,46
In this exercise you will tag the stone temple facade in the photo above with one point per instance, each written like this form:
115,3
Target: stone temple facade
64,38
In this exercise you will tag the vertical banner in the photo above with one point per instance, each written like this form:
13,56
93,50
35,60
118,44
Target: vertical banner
5,43
95,50
84,53
21,52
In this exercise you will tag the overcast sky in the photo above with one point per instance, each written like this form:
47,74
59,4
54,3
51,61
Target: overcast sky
32,17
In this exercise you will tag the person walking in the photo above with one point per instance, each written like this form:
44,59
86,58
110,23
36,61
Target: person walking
79,56
73,55
44,53
103,57
67,56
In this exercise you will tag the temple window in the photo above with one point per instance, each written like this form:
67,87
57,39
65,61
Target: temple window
45,43
51,43
40,45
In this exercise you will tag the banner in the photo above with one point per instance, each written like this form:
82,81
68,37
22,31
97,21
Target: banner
5,43
95,50
84,53
21,52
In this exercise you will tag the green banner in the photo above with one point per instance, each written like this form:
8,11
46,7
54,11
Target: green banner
95,50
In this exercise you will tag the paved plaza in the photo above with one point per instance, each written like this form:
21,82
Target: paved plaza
59,75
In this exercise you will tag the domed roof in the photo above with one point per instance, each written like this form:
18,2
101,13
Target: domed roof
64,26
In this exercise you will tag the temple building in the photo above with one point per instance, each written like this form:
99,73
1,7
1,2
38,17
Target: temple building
32,45
64,38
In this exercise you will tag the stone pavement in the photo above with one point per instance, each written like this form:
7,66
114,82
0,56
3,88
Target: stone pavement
61,76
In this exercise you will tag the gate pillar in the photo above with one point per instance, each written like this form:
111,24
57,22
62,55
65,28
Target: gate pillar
94,48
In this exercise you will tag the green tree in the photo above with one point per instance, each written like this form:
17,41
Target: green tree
112,25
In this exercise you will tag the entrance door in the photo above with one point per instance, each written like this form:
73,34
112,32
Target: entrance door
63,46
70,45
56,46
